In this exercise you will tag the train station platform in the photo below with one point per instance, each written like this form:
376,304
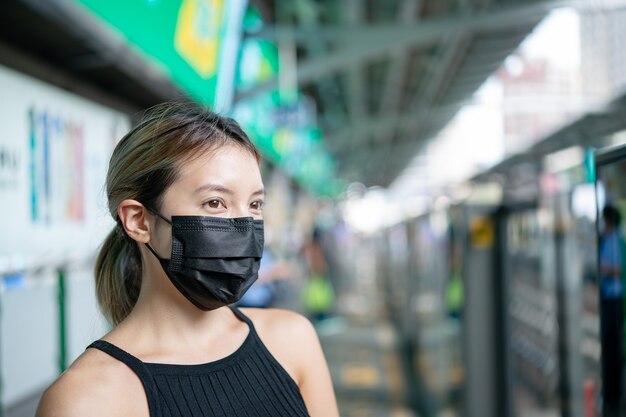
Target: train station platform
365,367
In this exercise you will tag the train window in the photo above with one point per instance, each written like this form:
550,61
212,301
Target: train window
611,272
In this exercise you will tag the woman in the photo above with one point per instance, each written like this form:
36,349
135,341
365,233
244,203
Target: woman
185,190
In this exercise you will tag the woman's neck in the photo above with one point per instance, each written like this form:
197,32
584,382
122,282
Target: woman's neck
162,322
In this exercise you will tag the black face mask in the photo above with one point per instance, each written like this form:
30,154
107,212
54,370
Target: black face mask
214,260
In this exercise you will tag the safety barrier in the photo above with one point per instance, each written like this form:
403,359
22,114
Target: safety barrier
48,315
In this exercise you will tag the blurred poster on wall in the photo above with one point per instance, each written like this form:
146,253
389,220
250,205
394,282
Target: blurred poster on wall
54,151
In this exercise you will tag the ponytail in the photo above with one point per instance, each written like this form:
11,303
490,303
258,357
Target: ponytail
118,275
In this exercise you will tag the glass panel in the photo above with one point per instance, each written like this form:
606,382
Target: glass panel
438,305
579,263
611,255
532,315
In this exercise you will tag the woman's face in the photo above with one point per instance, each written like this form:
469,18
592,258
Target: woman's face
224,183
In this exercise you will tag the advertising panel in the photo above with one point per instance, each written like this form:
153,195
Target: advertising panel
54,151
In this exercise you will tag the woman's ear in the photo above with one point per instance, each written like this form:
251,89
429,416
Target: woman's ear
132,214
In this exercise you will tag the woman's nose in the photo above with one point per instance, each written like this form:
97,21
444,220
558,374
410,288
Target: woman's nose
241,210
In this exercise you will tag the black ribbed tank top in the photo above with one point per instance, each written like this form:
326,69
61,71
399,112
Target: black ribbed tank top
247,383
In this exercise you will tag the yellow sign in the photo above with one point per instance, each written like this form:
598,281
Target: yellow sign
481,232
197,37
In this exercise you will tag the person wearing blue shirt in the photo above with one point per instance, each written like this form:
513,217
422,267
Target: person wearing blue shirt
262,292
610,256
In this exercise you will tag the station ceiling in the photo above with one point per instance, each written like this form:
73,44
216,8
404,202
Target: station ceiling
386,75
590,130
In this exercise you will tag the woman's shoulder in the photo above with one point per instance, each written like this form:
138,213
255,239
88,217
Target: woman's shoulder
288,335
280,324
95,385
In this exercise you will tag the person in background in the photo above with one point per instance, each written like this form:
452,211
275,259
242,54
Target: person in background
455,296
186,194
610,256
266,290
318,295
454,290
263,291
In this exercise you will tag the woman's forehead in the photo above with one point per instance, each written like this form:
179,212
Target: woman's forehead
229,166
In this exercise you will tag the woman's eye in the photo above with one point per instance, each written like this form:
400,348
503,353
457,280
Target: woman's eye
256,205
214,204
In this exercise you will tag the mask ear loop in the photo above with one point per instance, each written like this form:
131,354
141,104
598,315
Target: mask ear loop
156,255
156,213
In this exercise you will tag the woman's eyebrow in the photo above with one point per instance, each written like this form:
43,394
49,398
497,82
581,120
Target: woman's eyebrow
222,189
214,187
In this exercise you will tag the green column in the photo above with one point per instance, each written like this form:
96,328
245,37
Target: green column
62,321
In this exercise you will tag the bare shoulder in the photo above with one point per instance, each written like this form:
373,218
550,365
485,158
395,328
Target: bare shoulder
289,336
280,323
95,385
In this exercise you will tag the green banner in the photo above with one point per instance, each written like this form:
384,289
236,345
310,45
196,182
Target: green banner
194,42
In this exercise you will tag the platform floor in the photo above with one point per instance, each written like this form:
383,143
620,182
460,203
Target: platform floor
365,367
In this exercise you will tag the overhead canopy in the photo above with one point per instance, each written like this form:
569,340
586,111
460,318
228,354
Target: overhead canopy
589,130
383,76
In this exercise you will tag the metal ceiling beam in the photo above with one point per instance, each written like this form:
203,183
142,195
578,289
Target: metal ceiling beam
354,15
397,72
392,171
464,7
367,42
385,162
476,67
392,92
340,140
477,71
482,4
428,31
452,55
461,88
493,55
513,36
477,61
342,148
327,87
375,164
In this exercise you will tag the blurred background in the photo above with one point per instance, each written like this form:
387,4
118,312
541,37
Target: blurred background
444,185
